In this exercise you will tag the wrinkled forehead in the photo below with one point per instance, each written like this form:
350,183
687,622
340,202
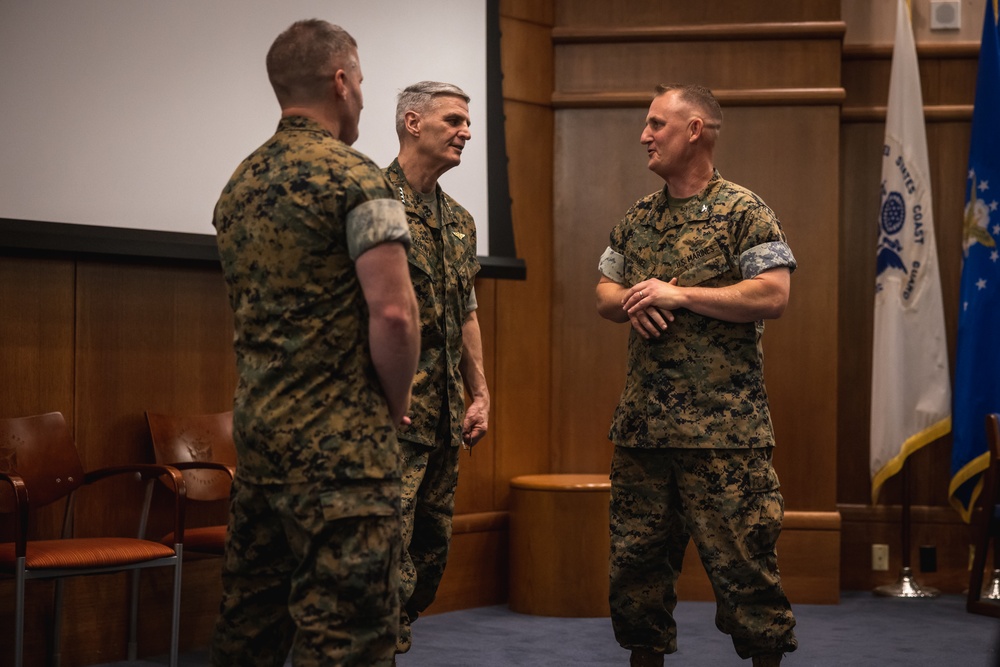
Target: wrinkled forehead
450,105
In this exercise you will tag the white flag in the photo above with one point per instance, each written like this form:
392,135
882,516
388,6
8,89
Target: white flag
911,389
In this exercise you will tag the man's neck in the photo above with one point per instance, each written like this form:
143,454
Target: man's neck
421,177
691,182
329,123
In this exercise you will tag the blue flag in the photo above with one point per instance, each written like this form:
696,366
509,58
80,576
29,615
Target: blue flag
977,372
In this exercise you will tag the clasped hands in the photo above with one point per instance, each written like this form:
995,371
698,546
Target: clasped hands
649,305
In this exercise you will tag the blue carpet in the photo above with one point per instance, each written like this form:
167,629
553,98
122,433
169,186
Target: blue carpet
863,630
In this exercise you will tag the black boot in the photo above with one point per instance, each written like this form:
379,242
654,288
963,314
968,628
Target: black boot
645,658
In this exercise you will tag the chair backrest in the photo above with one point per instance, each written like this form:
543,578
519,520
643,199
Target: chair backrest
989,499
39,449
180,439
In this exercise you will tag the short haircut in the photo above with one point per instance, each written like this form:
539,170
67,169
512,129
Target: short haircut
699,97
419,97
304,57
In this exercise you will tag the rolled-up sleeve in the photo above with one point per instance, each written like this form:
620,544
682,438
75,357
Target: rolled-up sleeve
765,256
612,265
373,222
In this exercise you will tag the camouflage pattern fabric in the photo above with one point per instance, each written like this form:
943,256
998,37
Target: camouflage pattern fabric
312,568
700,385
443,267
429,480
308,403
692,431
728,502
313,544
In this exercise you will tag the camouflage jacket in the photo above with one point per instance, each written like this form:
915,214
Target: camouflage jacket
290,222
443,266
701,384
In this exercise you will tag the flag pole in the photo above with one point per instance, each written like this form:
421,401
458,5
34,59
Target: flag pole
906,586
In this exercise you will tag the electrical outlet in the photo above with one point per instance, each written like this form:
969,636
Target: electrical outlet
880,557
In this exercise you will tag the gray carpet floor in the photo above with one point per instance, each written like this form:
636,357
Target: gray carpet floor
863,630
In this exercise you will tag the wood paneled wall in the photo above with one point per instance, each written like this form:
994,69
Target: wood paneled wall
776,70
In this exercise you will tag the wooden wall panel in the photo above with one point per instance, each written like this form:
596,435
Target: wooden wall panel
600,170
860,178
529,10
151,338
36,354
524,308
477,467
680,12
527,63
718,65
789,156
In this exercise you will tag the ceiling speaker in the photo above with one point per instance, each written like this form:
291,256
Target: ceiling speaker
946,14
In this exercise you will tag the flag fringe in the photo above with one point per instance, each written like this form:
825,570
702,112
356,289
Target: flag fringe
964,474
912,444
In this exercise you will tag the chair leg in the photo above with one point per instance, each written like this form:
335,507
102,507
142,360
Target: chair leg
19,614
133,617
176,621
57,625
976,576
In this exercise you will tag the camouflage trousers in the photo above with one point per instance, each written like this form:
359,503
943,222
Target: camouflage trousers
430,476
728,502
312,569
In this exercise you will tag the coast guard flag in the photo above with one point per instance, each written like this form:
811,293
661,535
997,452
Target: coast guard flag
911,390
977,372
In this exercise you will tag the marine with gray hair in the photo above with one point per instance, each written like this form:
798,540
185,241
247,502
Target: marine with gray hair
433,125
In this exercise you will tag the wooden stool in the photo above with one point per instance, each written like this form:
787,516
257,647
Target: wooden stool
560,545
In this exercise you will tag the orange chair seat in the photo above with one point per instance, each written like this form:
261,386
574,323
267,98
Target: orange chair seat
207,540
83,552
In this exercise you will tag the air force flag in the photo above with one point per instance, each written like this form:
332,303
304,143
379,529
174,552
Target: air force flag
911,388
977,366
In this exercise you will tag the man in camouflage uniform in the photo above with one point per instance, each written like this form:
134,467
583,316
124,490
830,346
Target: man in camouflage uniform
313,246
695,268
432,121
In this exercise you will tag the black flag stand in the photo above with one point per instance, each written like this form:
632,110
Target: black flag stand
906,586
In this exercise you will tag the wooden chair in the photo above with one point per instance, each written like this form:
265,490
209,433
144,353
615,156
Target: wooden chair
39,465
986,524
201,447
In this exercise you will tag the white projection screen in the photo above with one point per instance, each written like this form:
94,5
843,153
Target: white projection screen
132,114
